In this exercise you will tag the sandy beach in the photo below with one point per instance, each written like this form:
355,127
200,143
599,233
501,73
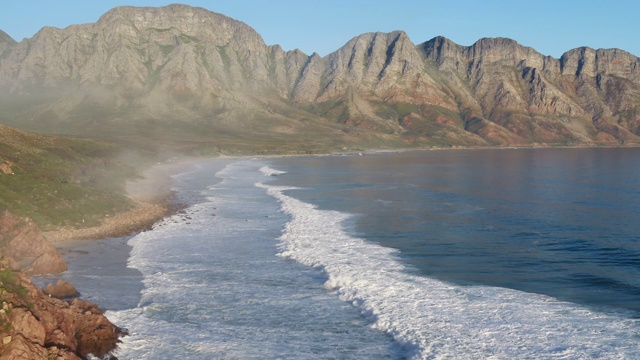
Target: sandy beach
153,200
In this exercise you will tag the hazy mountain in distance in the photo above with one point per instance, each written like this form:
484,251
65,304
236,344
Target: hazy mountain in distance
6,42
189,73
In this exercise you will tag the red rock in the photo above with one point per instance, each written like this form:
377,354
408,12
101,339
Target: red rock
43,327
22,241
22,349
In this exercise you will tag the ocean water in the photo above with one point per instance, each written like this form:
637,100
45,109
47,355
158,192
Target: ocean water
215,287
461,254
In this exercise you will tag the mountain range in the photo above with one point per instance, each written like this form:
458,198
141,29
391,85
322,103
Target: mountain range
185,74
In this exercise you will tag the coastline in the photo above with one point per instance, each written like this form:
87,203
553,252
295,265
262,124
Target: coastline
100,254
153,198
103,251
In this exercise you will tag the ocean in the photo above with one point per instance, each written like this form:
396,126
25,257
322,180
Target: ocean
449,254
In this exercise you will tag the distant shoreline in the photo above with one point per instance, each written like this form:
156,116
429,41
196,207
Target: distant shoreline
154,199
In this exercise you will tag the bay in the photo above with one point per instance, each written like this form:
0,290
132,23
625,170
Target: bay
466,254
560,222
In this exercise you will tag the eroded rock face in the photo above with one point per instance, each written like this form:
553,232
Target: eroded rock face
43,327
188,64
26,249
539,97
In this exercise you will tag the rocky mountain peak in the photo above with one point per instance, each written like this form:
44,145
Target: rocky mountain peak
585,61
440,48
6,42
367,55
370,59
179,62
505,51
195,22
5,38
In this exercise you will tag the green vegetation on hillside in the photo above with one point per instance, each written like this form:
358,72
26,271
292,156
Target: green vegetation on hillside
60,181
10,286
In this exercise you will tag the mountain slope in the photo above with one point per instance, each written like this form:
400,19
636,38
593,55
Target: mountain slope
540,97
6,42
183,74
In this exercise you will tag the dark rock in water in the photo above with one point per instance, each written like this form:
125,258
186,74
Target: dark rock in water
61,290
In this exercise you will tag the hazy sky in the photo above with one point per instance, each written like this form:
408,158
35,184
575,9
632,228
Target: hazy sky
550,26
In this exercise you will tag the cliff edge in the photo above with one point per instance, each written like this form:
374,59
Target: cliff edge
36,326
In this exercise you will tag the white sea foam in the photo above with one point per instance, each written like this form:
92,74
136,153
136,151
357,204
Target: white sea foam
435,319
214,289
268,171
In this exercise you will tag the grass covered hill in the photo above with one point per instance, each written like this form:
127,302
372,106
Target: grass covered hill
61,181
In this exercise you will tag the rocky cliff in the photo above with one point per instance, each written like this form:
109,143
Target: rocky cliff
158,67
36,326
25,248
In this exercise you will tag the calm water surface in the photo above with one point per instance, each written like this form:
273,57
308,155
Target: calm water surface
560,222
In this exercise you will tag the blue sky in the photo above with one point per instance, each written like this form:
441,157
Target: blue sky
323,26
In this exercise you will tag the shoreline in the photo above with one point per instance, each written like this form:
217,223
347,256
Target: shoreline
141,217
100,251
153,198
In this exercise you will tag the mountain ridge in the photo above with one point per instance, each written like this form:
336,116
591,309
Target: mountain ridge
183,65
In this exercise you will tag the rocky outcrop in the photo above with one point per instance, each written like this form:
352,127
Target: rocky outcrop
6,167
183,64
26,249
36,326
62,289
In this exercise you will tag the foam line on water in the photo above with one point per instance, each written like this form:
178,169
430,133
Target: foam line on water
268,171
214,289
435,319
